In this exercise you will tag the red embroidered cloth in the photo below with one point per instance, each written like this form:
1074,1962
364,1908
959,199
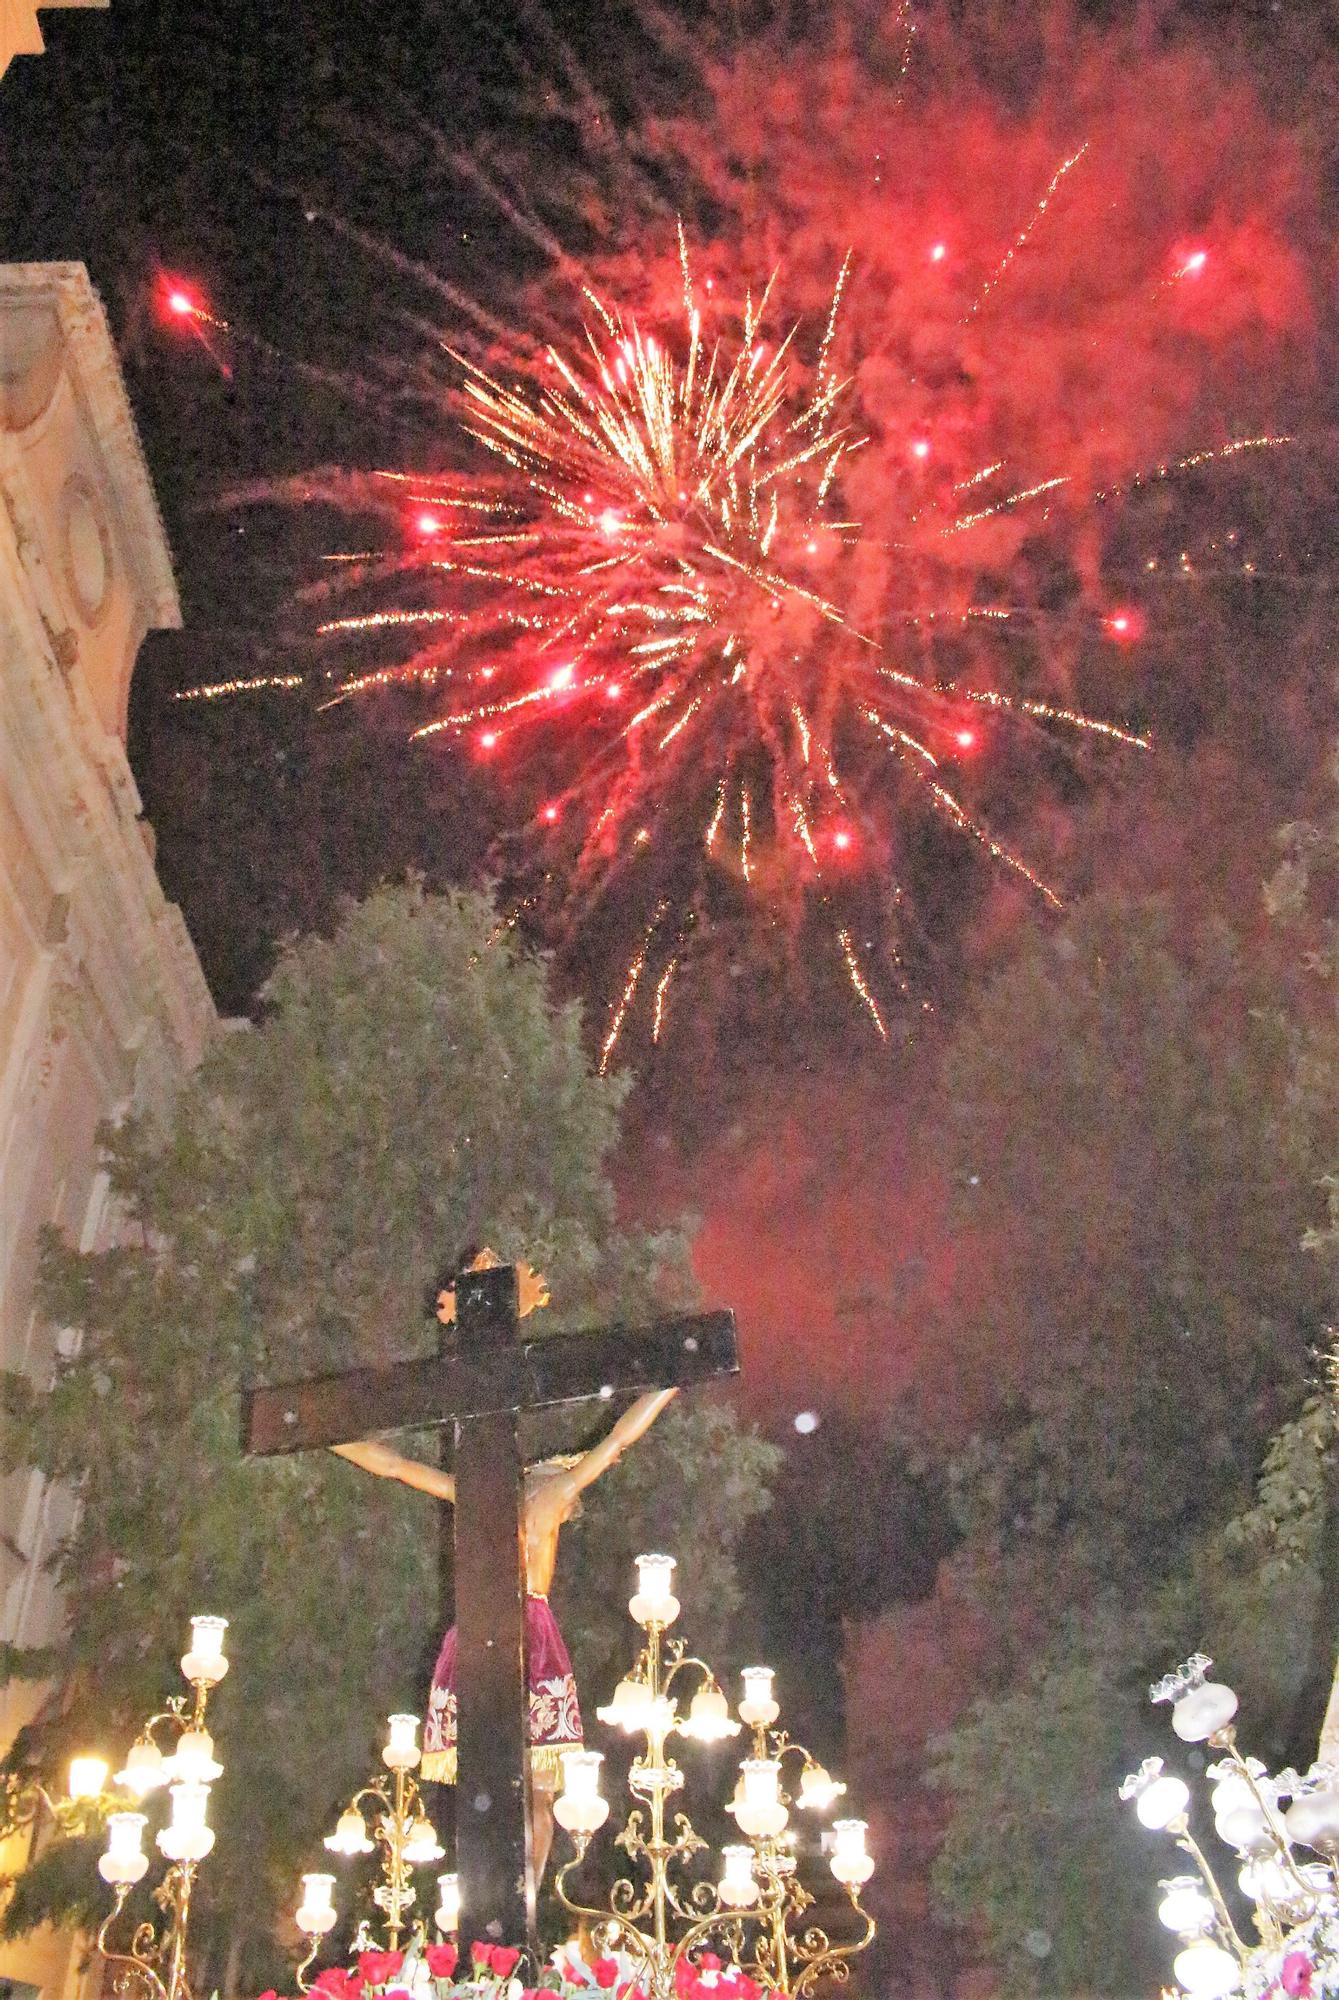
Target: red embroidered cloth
555,1718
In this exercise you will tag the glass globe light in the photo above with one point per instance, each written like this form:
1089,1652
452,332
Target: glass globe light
1185,1907
316,1913
187,1836
203,1662
818,1788
757,1803
709,1718
402,1752
1202,1711
579,1807
738,1888
630,1706
88,1775
125,1861
145,1769
1246,1829
851,1863
1313,1819
193,1757
350,1835
758,1707
1206,1970
653,1602
1161,1801
421,1843
447,1914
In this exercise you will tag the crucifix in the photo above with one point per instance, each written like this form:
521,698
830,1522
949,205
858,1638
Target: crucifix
481,1384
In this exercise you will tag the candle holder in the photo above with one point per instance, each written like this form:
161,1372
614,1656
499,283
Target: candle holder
406,1840
154,1960
757,1911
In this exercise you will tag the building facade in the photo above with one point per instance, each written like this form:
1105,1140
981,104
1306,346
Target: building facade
103,1006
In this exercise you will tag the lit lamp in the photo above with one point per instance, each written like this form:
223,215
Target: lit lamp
737,1888
316,1913
125,1861
851,1862
1185,1908
402,1751
629,1707
204,1664
145,1769
421,1843
757,1804
579,1808
350,1835
818,1788
654,1602
447,1914
193,1757
187,1836
1206,1971
1159,1800
709,1716
88,1775
759,1707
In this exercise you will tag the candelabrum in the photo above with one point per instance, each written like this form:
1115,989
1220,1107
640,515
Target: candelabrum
406,1839
757,1908
154,1960
1270,1824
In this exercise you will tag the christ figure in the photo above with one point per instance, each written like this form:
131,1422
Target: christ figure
551,1492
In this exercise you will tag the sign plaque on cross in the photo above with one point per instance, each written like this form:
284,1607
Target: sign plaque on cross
481,1385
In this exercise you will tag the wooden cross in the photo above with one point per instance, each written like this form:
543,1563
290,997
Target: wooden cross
482,1385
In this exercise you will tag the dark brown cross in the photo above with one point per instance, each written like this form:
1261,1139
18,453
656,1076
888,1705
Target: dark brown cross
482,1384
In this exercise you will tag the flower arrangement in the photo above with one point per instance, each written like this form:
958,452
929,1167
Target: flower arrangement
495,1972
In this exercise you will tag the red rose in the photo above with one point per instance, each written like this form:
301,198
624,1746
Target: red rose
709,1962
378,1968
545,1993
398,1993
481,1956
505,1960
605,1971
441,1960
337,1983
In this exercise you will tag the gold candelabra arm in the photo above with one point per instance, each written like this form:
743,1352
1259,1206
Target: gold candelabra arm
304,1965
626,1903
135,1962
819,1958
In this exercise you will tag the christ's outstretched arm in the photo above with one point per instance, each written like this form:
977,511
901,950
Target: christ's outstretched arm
626,1431
388,1464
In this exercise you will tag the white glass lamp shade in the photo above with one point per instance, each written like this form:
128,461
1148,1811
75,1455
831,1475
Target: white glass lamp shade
1161,1801
1313,1819
316,1913
851,1862
203,1661
125,1861
653,1602
818,1788
1268,1881
1206,1970
709,1717
421,1844
145,1770
447,1914
758,1707
579,1807
1203,1711
193,1757
1185,1907
350,1835
629,1708
402,1751
1246,1828
87,1777
738,1887
187,1836
757,1803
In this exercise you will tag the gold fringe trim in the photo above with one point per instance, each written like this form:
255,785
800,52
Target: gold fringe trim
442,1767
